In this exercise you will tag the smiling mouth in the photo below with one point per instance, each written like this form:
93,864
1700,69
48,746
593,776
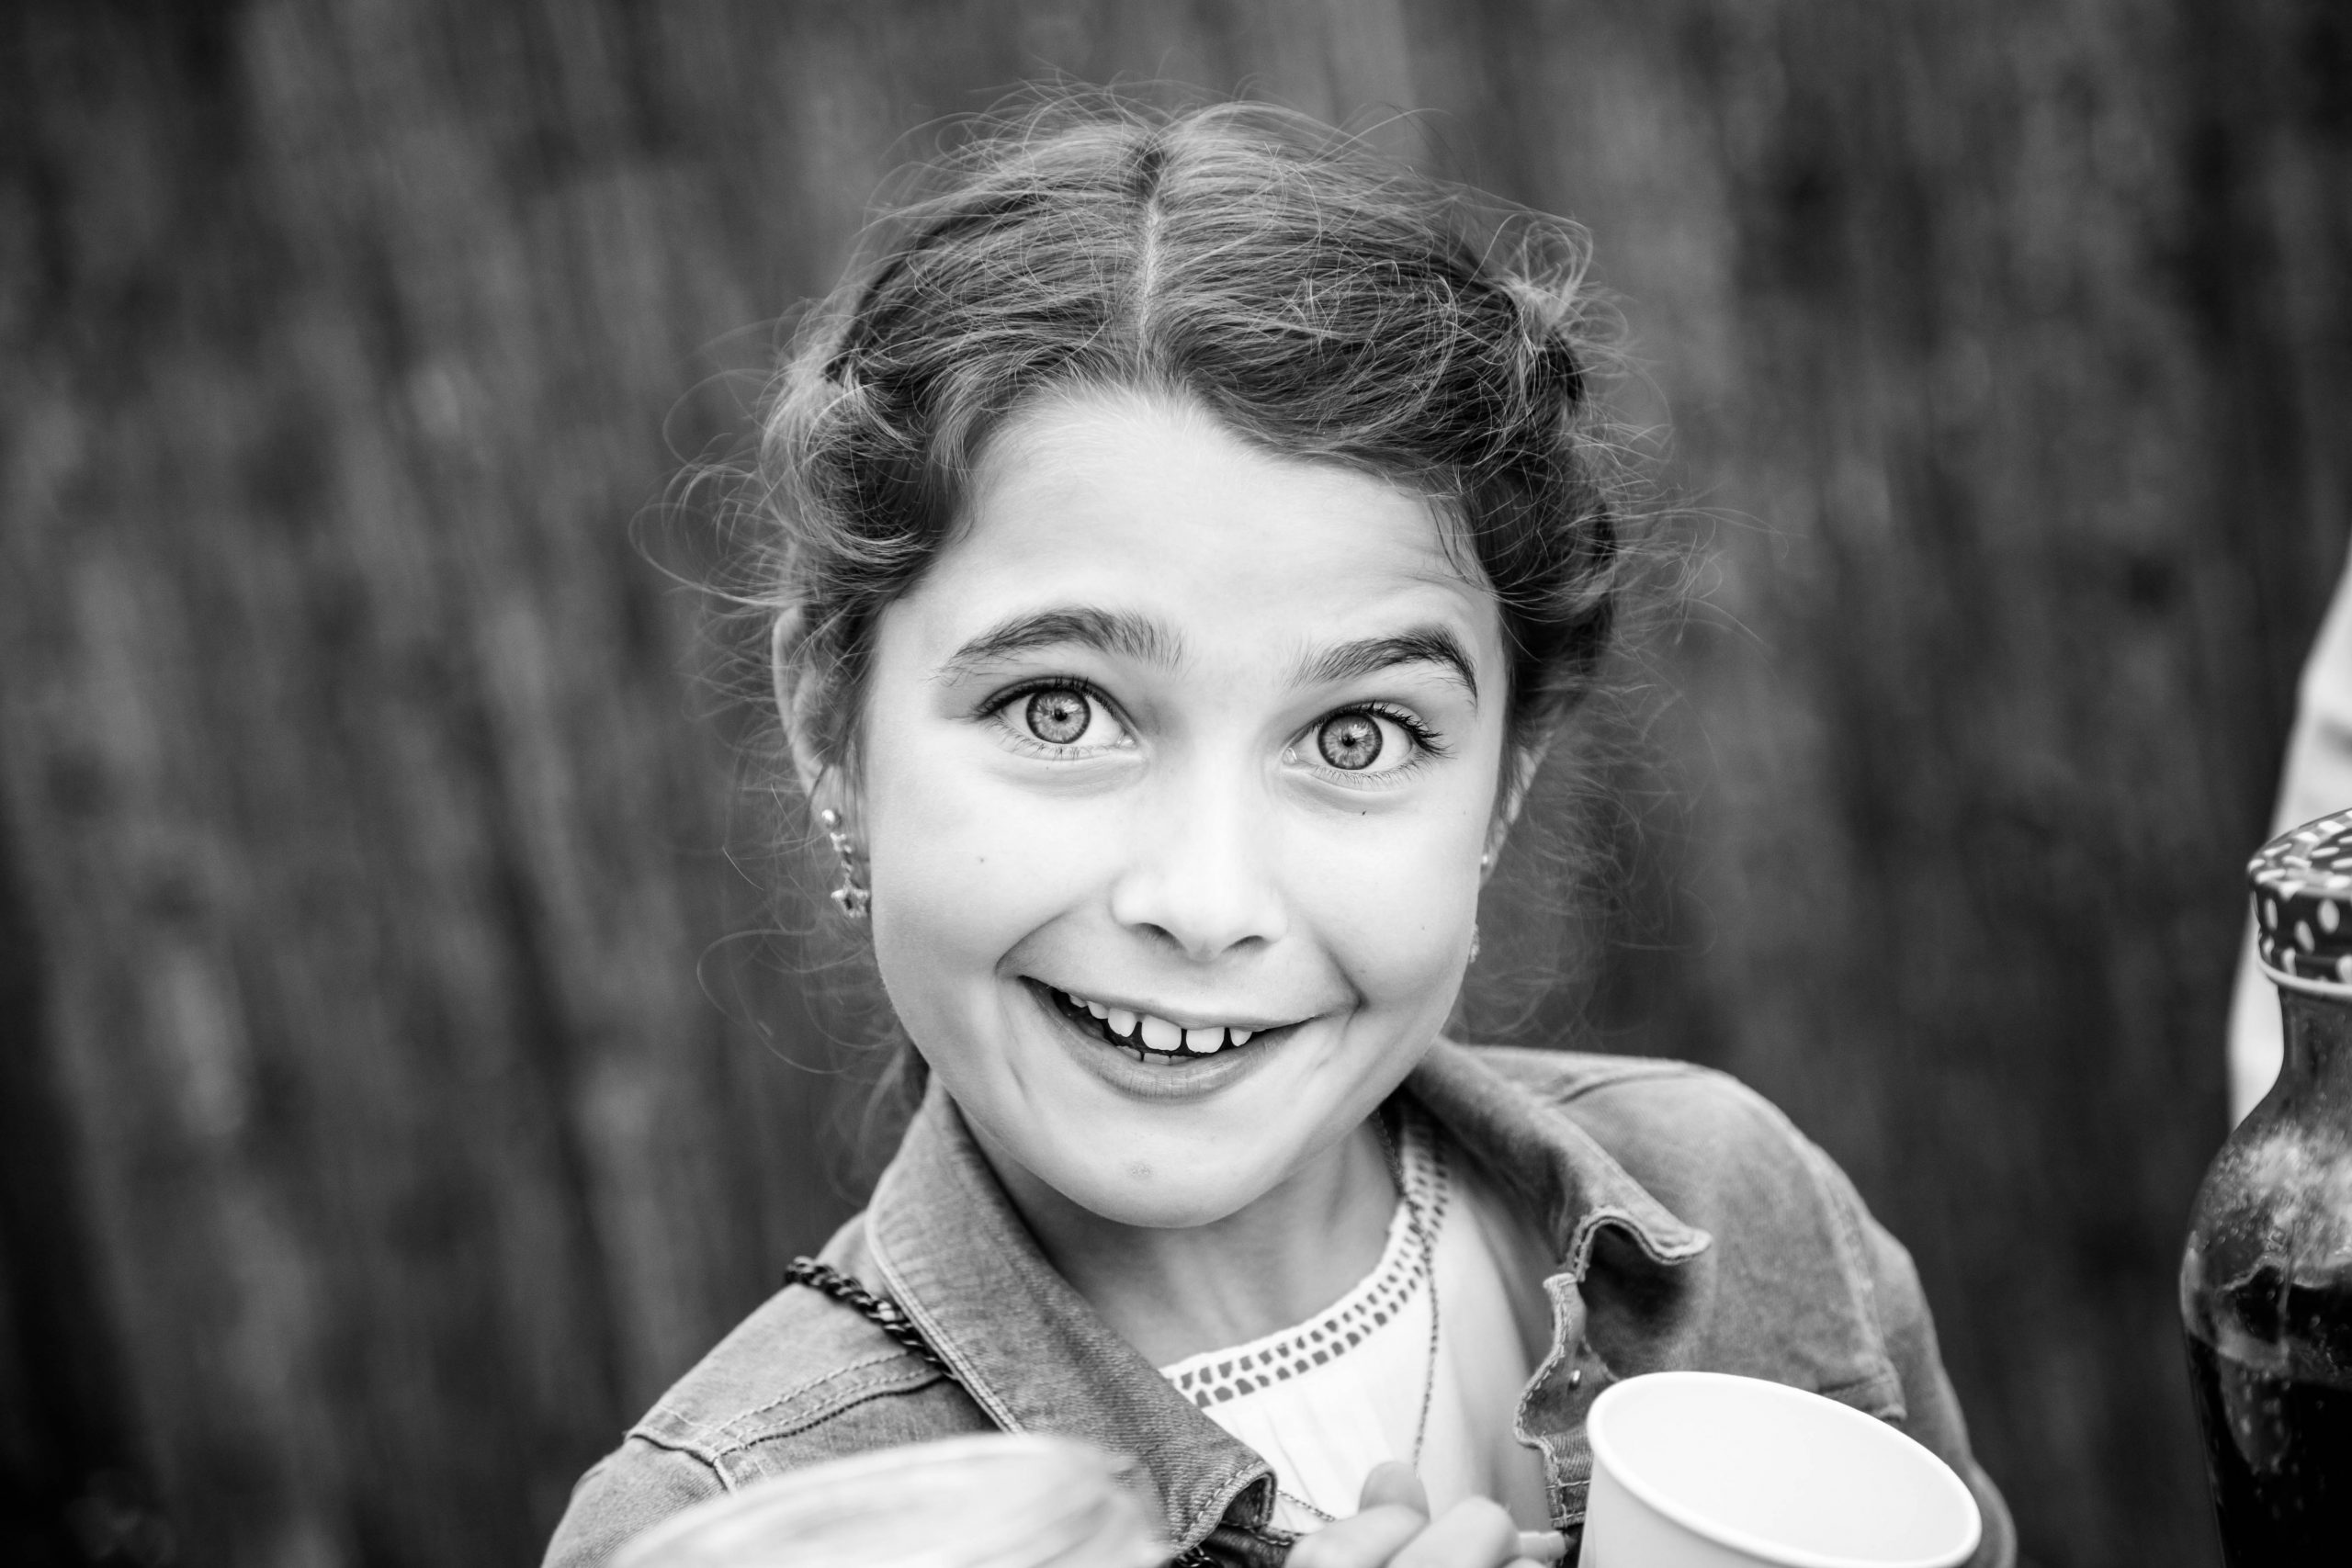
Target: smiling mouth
1153,1041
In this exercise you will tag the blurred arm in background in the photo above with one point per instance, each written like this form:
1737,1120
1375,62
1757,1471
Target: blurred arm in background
2316,781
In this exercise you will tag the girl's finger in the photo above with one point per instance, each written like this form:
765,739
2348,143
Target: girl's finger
1475,1533
1541,1546
1367,1540
1393,1482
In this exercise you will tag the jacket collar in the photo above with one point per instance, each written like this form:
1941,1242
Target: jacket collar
1558,1172
1037,1358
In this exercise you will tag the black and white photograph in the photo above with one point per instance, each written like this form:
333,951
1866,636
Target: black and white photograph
1175,783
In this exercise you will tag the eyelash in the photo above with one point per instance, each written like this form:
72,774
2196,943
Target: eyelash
1426,747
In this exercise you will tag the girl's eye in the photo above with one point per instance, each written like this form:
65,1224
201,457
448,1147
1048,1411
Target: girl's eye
1058,716
1350,740
1365,743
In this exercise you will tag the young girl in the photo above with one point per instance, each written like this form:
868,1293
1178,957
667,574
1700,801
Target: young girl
1192,533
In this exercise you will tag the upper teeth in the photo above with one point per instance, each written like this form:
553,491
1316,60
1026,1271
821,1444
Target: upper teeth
1157,1034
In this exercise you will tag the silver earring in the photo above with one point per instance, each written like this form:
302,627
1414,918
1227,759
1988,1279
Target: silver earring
1473,941
852,895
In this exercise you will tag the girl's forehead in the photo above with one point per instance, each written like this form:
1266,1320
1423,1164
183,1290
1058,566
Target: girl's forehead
1136,496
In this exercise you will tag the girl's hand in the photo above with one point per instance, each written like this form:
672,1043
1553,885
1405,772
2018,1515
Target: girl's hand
1392,1529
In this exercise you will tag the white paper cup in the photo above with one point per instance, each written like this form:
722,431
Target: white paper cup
1703,1470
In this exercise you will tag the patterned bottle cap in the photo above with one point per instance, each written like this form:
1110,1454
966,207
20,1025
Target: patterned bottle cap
2302,901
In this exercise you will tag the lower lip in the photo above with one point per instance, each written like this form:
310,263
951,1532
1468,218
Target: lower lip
1177,1080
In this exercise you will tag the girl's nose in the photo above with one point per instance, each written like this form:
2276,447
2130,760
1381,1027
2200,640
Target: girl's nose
1199,875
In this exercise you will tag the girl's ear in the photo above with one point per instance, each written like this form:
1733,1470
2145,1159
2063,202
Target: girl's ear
1522,769
826,783
806,766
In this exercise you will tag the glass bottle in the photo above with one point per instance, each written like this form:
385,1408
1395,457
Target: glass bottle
2266,1285
990,1501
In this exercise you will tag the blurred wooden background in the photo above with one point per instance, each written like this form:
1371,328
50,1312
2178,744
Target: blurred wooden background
385,1112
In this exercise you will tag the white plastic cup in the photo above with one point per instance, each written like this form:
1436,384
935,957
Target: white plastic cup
1704,1469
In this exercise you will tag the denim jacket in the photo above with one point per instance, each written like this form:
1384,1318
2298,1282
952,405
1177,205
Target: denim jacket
1687,1222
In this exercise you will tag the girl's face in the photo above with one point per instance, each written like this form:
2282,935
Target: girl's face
1177,766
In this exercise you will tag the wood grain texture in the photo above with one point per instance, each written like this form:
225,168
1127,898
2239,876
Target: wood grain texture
397,1092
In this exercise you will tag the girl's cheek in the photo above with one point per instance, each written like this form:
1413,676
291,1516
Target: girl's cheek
972,861
1394,915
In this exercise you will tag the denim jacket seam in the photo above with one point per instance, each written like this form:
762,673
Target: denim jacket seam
1558,1481
684,1447
713,1440
1266,1535
742,1442
1206,1519
1251,1535
959,1368
1578,1260
763,1422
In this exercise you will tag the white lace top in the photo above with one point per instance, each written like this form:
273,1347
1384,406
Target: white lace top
1328,1399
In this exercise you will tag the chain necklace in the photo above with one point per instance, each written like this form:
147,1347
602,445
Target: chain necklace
1429,1272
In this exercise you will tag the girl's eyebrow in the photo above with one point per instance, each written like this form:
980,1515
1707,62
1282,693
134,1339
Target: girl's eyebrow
1421,645
1119,632
1127,634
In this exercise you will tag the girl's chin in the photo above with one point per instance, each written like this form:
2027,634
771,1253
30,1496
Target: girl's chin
1154,1167
1149,1165
1144,1196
